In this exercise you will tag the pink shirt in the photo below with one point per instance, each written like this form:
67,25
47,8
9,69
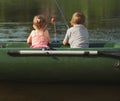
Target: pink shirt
39,40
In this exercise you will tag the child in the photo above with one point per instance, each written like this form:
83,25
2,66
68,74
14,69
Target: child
77,35
39,38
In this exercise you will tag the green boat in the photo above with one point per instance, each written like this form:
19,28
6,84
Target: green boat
99,63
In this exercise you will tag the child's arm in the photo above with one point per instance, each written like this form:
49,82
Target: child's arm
66,39
65,42
29,39
48,35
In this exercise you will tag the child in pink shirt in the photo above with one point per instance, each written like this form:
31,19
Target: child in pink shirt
39,37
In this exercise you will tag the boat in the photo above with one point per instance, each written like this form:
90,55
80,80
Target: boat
98,63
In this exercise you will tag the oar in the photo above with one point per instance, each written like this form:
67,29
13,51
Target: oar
113,53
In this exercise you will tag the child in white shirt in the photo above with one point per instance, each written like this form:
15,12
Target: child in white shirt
77,36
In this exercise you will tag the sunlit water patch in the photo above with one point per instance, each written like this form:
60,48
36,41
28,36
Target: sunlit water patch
111,35
14,31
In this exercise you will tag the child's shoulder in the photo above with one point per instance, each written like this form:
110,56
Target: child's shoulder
33,31
71,28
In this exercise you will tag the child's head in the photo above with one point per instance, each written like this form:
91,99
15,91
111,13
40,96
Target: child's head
77,18
39,22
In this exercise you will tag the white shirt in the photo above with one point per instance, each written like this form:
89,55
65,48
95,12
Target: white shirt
77,36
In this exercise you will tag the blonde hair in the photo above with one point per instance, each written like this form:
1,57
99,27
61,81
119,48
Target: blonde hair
39,21
78,18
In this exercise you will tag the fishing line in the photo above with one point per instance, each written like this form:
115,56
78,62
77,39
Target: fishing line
60,9
55,32
53,21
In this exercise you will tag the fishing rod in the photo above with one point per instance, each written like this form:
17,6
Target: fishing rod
61,11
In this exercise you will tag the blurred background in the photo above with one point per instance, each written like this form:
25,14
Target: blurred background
102,17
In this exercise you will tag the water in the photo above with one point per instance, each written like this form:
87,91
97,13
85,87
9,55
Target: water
14,31
103,20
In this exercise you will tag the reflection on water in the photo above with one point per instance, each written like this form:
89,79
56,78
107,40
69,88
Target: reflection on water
108,35
103,20
20,31
14,31
58,92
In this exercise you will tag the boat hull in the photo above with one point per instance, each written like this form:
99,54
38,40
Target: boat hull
58,68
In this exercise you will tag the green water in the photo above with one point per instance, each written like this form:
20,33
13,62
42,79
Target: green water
102,17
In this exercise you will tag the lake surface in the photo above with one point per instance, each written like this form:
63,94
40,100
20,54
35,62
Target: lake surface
102,17
103,23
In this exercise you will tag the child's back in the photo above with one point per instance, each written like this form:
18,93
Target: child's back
77,36
39,38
